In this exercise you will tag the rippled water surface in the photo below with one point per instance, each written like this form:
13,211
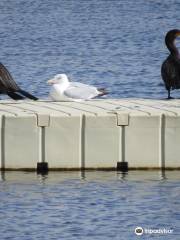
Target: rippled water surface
89,205
118,44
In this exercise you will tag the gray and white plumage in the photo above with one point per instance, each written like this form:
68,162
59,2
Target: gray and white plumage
64,90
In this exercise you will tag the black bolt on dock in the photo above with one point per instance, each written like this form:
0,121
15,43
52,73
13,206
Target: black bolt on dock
42,167
122,166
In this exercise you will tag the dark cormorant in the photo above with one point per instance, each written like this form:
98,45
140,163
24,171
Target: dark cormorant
170,70
9,86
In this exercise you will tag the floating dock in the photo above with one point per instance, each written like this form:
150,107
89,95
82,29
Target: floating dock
96,134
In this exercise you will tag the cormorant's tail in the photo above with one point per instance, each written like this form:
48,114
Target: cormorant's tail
20,95
26,94
9,86
15,96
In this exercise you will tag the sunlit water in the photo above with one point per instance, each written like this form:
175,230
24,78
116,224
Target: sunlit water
118,44
89,205
111,43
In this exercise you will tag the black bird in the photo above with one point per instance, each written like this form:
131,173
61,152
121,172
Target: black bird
9,86
170,70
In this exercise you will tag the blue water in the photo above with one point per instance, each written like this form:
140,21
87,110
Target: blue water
88,206
118,44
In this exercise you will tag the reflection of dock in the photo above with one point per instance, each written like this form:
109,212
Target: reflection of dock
94,134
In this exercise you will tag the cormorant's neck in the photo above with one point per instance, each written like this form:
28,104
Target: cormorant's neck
173,49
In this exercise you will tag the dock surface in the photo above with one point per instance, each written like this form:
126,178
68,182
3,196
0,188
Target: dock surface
94,134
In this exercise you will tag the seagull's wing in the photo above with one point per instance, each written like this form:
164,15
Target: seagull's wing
81,85
80,91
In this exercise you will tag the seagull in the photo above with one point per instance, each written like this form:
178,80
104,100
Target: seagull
64,90
9,86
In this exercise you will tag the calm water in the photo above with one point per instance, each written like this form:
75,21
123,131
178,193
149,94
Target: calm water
114,43
118,44
90,205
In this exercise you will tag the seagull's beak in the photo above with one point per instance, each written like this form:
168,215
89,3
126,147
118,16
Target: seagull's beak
51,81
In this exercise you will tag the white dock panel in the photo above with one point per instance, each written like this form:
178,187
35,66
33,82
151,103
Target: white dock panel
20,141
101,137
142,141
90,134
172,141
63,142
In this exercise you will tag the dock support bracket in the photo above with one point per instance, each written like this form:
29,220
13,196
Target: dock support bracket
43,121
122,166
42,167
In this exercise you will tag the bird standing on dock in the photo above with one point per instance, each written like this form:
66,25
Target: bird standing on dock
64,90
9,86
170,70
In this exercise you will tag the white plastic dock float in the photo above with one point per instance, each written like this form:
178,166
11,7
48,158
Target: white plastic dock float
98,134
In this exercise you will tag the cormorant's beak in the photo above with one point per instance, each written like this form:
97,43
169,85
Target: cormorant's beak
178,34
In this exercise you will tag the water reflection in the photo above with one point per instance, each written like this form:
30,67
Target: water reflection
2,175
122,175
42,177
161,175
82,174
91,204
